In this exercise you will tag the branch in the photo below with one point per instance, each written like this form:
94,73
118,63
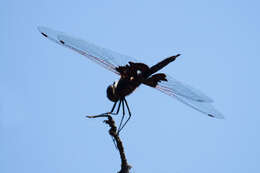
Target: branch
113,132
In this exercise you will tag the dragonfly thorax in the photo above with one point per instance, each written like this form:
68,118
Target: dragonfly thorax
122,88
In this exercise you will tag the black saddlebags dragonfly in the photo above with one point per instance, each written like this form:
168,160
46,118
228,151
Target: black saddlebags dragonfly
132,74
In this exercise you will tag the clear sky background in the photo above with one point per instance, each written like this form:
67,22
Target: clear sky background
46,90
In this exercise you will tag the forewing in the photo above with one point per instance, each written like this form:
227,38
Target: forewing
175,87
204,107
104,57
110,60
50,34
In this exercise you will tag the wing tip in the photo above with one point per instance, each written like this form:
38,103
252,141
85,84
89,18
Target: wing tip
42,30
45,35
205,99
218,116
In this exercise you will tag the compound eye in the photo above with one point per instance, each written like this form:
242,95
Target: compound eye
110,94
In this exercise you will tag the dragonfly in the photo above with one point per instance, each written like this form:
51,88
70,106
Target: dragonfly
133,74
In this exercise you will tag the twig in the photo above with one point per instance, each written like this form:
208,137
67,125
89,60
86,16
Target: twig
113,132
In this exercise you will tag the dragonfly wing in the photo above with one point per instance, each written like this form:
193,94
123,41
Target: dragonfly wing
105,57
204,107
50,34
175,87
110,60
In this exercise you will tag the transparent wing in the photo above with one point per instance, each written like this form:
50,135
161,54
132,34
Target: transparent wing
204,107
105,57
110,60
173,86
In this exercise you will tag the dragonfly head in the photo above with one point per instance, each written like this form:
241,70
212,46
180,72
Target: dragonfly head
111,95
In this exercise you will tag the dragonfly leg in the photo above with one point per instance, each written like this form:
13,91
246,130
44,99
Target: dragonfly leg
111,112
129,116
122,119
113,107
118,107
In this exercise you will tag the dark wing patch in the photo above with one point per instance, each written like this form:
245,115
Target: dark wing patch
155,79
44,34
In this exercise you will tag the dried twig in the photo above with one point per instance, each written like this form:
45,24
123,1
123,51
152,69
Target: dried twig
113,132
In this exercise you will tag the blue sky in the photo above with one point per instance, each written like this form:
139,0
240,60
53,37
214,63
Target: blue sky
46,90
